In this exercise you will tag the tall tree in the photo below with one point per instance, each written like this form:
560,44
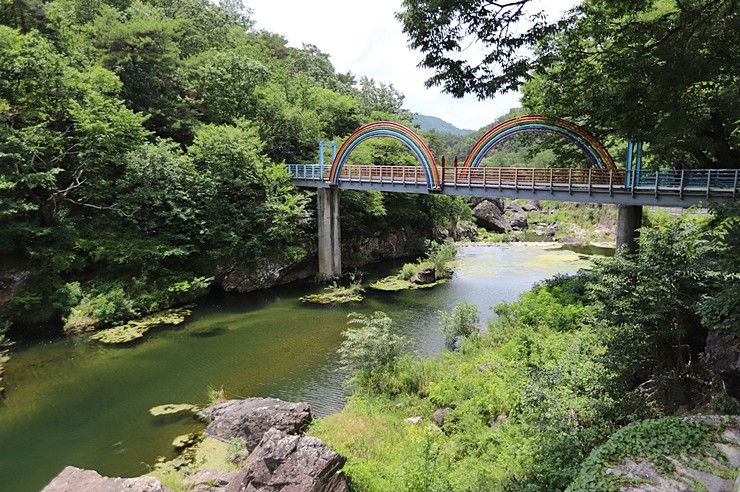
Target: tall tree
664,71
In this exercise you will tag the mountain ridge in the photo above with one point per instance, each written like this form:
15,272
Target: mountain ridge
426,122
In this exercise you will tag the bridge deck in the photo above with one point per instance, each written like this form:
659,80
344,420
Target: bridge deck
666,188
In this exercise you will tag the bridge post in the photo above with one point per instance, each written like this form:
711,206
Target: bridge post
629,219
330,245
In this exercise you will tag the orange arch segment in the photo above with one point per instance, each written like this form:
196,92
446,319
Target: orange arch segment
595,152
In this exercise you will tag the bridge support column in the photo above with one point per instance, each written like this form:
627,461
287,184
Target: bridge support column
629,220
330,245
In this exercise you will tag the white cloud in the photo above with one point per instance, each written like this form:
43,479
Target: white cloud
366,39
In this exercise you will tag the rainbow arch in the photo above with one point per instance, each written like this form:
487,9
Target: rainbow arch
595,152
388,129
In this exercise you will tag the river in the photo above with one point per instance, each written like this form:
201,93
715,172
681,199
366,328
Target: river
71,402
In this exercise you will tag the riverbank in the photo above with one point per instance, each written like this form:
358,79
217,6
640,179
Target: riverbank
265,343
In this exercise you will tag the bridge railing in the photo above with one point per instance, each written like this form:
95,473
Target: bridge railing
313,172
533,178
697,182
688,179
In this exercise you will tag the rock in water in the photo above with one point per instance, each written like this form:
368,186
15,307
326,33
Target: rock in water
252,417
73,479
426,275
286,463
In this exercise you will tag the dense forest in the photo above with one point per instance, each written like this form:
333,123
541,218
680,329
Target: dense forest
140,145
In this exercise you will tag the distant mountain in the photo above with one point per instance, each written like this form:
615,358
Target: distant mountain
434,123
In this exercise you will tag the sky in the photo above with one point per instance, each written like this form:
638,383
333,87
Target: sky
366,39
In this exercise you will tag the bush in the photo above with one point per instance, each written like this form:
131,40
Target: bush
370,352
461,323
409,270
441,256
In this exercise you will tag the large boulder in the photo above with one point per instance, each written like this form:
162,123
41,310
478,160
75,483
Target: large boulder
251,418
723,357
490,216
73,479
531,206
426,275
286,463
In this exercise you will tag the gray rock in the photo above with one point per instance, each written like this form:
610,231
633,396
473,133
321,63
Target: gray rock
514,207
285,463
426,275
490,217
532,206
240,277
439,416
723,357
253,417
568,240
518,221
73,479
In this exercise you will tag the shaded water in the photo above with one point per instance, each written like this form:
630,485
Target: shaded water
70,402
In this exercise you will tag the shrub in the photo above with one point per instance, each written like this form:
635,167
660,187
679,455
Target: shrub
461,323
370,352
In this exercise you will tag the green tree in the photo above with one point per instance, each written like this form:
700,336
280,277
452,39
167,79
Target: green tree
661,71
370,351
657,71
462,322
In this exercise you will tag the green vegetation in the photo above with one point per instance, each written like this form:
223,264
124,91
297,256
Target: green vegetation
461,323
555,376
136,329
141,146
433,269
336,294
657,70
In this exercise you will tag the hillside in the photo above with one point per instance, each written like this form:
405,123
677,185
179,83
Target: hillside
433,123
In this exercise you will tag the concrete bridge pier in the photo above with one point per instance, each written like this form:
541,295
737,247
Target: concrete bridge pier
629,219
330,244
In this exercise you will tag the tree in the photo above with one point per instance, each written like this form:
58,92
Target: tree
461,323
660,71
370,351
444,30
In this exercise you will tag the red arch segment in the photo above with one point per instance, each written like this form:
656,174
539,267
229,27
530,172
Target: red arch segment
595,152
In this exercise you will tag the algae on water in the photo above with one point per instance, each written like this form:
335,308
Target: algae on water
173,408
136,329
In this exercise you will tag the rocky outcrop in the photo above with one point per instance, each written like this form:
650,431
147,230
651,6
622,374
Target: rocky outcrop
491,217
241,277
209,480
379,246
73,479
710,466
723,357
287,463
251,418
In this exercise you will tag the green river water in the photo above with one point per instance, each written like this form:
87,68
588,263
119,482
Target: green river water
71,402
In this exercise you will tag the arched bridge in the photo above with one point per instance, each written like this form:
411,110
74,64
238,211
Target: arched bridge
600,182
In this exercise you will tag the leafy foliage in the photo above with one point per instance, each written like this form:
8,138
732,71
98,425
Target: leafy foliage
462,322
140,152
371,351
